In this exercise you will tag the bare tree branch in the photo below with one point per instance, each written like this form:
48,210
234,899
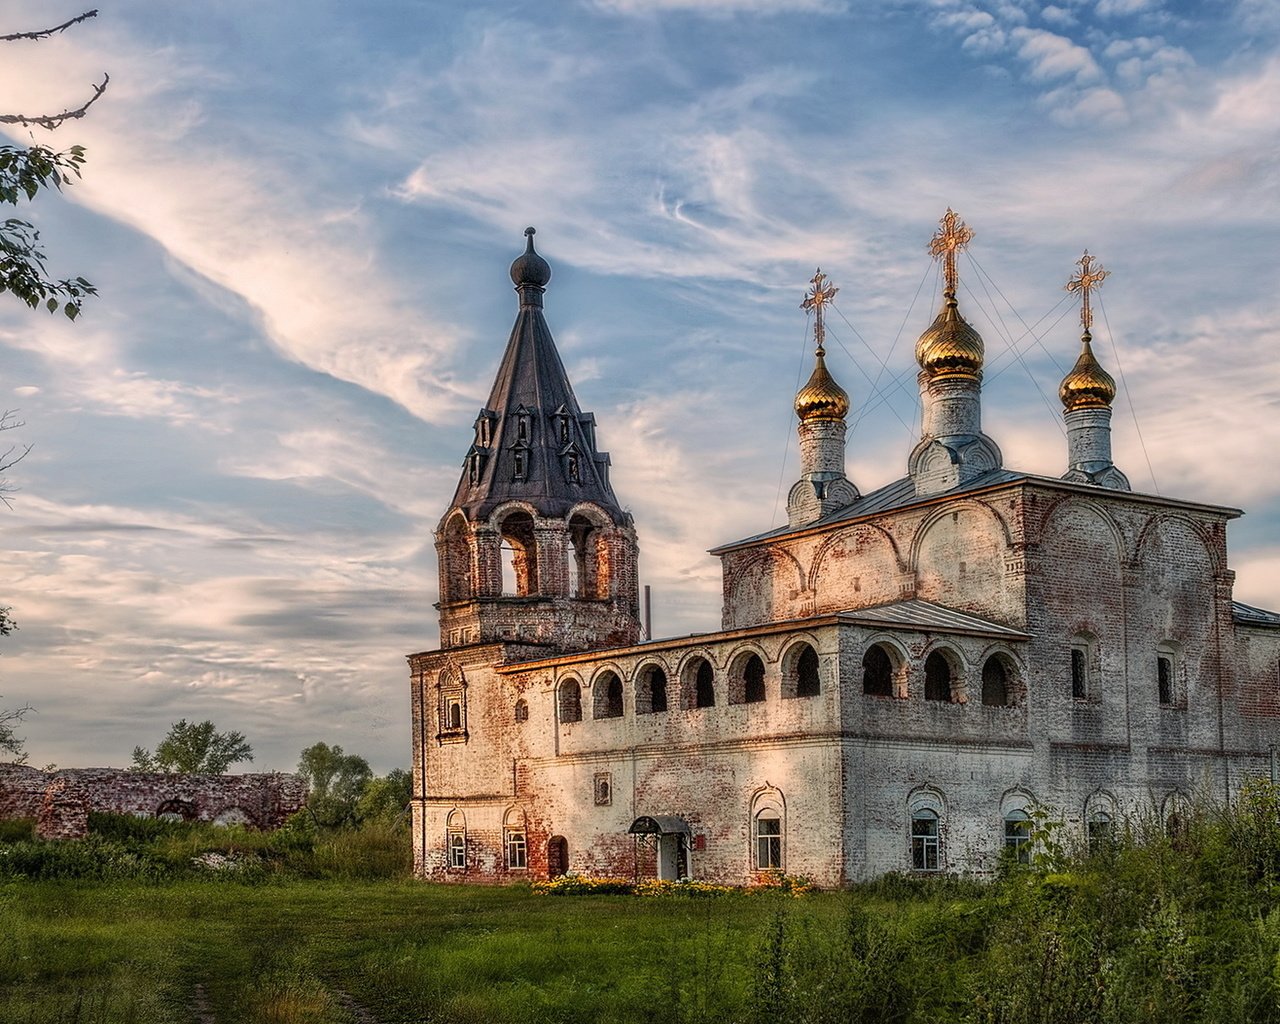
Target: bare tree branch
45,33
52,121
7,458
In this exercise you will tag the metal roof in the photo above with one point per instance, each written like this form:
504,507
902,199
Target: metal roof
927,616
659,825
1248,615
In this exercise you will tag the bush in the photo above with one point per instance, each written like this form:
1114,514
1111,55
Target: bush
17,830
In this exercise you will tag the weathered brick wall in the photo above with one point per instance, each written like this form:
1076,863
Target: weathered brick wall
261,800
963,554
1126,573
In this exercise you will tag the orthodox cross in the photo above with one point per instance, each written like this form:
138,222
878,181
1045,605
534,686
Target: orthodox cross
821,292
1090,277
953,236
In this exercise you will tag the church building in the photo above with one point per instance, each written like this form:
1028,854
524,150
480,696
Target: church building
902,674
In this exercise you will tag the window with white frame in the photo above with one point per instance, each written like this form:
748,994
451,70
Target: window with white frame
517,852
1017,835
925,840
768,829
456,839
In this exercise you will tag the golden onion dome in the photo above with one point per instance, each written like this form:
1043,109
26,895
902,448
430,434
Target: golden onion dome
950,345
821,398
1088,385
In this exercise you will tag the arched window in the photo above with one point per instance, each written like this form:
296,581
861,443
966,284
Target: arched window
557,856
925,840
1083,684
1168,676
937,677
1017,835
768,840
514,841
651,690
877,672
800,672
705,684
569,701
587,567
699,684
455,715
456,563
753,680
456,829
1100,831
995,682
519,555
608,696
807,684
522,710
746,679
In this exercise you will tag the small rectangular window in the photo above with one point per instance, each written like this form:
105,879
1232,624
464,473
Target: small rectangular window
457,850
1164,678
1079,674
515,848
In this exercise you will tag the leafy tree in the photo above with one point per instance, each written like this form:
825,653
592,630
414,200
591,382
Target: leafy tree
337,782
10,742
24,172
385,797
194,750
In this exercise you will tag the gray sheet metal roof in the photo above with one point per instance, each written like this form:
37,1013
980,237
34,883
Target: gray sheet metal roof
898,494
902,494
1248,615
925,615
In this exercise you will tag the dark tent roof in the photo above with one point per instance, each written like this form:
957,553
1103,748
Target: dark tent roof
659,825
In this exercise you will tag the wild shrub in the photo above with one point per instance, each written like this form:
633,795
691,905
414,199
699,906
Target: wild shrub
17,830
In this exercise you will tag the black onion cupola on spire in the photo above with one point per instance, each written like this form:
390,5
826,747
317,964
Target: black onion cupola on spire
534,548
532,442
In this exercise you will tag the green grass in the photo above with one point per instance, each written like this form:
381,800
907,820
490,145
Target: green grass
285,951
1148,930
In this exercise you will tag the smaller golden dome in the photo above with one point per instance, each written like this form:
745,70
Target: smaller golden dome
950,346
1088,385
822,398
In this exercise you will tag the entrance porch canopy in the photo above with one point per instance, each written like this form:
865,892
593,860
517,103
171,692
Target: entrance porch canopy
659,825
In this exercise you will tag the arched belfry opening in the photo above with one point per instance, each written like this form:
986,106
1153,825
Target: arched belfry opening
535,545
519,555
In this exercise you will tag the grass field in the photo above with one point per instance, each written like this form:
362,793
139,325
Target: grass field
322,928
374,951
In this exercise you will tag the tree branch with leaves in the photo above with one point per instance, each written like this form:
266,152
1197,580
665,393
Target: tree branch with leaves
24,173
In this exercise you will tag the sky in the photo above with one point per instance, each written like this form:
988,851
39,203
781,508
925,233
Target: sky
300,218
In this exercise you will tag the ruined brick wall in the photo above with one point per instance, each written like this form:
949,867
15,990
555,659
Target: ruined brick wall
261,800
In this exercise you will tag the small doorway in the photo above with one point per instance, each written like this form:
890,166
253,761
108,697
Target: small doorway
557,856
673,858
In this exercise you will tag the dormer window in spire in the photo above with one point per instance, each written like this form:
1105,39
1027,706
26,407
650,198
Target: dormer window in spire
572,463
484,429
475,465
587,424
524,424
560,418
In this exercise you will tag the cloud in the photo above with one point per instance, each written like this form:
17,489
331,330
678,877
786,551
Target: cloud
722,7
308,268
1050,56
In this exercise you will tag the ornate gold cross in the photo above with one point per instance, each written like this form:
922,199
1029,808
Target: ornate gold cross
1084,282
821,292
953,236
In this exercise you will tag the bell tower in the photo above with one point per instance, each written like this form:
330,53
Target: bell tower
534,547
